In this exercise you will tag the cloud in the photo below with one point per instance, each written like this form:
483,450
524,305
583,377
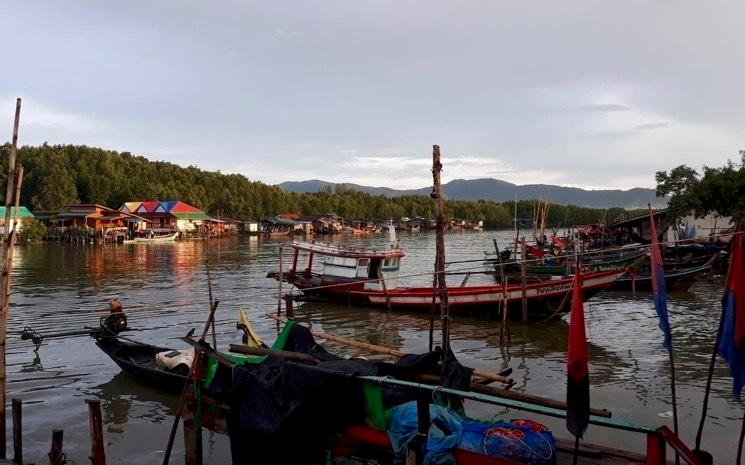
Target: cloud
35,113
646,126
597,108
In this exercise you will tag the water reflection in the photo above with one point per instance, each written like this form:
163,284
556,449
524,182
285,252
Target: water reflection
62,287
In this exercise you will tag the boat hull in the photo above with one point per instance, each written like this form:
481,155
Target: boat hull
543,297
153,240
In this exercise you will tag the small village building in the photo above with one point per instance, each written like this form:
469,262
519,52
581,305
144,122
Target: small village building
173,215
96,217
249,227
22,216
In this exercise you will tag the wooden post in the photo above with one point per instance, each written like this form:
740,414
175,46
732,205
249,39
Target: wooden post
17,432
56,456
190,443
6,257
440,248
98,456
279,284
523,279
289,306
381,278
197,390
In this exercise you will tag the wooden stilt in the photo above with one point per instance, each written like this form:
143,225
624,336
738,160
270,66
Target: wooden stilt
190,441
56,456
98,456
17,432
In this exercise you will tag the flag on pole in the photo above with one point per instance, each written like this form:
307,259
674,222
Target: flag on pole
578,379
732,340
658,284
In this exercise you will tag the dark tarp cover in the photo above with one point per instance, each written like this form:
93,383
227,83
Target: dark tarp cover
285,412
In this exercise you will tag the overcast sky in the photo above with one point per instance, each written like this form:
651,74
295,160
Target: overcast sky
590,94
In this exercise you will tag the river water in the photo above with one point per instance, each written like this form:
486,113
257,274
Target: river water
61,287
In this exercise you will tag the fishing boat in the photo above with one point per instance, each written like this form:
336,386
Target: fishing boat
359,408
679,276
565,264
162,239
370,277
138,360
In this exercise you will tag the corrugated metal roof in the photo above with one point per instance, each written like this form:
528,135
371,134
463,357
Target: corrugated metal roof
168,204
130,207
182,207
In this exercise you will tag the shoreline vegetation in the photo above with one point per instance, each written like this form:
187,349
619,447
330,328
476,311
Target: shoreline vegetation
59,175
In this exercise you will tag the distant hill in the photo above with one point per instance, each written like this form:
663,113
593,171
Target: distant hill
501,191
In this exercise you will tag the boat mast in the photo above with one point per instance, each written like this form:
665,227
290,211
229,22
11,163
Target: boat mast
440,247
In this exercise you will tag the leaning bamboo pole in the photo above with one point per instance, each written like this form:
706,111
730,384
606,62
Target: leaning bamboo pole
387,350
6,257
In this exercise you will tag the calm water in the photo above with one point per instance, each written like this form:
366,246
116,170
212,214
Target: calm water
164,291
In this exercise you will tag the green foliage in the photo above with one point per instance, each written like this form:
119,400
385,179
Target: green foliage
57,175
718,190
32,231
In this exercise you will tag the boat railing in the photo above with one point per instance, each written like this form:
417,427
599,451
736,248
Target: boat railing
657,437
337,249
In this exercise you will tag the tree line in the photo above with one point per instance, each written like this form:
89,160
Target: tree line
58,175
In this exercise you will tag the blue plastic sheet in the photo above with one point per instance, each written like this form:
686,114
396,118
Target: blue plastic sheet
444,433
522,441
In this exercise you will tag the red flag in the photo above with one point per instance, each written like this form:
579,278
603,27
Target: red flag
578,379
732,326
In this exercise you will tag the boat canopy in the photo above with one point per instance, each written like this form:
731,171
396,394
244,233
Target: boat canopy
338,251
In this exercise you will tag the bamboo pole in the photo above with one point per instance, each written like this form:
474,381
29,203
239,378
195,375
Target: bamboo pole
381,278
387,350
440,248
519,396
279,284
7,263
523,280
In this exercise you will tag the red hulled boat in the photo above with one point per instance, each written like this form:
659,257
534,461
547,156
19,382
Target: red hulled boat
370,277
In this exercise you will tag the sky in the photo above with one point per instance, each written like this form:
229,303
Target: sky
578,93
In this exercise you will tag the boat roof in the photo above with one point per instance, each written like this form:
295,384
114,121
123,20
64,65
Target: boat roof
336,250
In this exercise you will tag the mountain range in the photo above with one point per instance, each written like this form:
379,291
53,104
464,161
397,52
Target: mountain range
501,191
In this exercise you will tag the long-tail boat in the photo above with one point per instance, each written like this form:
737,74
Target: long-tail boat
370,277
678,276
350,405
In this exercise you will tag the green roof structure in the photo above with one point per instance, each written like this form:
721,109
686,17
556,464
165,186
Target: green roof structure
23,212
191,216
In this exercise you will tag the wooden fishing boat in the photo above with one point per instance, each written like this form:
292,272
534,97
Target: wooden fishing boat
276,232
370,277
368,437
138,361
164,239
678,277
564,264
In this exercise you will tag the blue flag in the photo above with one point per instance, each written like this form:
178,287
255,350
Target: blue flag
658,285
732,339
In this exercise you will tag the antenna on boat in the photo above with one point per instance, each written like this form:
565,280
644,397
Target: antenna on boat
392,233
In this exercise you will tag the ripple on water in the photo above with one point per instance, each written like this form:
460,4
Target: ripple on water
60,287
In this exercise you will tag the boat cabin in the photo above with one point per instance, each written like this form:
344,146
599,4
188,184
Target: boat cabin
372,269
